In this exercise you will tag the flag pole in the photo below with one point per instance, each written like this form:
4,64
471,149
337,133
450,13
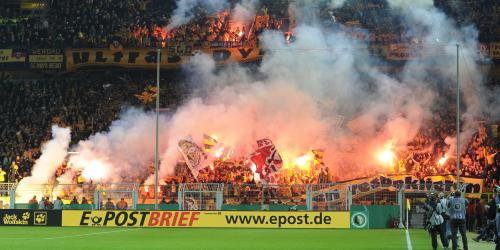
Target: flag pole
157,124
458,119
407,211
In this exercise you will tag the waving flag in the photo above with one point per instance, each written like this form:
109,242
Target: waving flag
318,156
194,156
266,158
208,142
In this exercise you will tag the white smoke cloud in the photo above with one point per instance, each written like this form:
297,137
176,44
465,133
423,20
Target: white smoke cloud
244,12
405,4
185,10
43,172
123,153
440,40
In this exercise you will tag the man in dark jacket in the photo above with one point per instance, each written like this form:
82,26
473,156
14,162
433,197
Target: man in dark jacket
435,221
457,209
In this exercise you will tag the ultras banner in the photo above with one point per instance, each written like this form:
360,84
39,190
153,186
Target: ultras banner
46,59
171,57
438,183
25,217
207,219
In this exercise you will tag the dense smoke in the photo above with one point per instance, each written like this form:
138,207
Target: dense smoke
244,12
53,155
186,10
299,96
122,154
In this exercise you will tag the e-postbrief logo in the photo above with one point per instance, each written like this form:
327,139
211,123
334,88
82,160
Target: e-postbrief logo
359,220
140,219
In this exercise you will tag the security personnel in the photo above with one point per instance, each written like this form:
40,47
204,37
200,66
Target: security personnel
456,208
443,201
435,222
495,205
109,205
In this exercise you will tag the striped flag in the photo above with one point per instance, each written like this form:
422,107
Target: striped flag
318,156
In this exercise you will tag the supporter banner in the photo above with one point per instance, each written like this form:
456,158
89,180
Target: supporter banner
402,52
171,57
46,59
12,59
439,183
33,4
25,217
222,219
12,56
495,50
483,51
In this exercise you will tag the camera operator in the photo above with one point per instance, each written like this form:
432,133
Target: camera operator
456,207
435,221
494,212
489,232
443,201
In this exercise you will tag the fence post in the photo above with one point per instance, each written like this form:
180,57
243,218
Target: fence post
309,197
349,197
97,203
180,196
135,196
12,196
401,203
219,196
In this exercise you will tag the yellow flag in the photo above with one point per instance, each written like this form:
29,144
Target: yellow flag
408,205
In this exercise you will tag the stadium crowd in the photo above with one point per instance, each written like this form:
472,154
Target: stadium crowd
142,23
90,102
130,23
87,102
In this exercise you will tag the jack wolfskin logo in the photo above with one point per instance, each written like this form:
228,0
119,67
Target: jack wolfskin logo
40,218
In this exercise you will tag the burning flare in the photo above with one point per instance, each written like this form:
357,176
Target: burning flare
442,160
94,171
387,157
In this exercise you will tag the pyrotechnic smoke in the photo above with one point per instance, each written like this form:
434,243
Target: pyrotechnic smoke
53,155
404,4
297,96
441,37
244,12
123,153
185,10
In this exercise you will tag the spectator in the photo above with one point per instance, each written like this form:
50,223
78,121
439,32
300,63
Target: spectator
479,212
58,203
33,200
470,216
121,205
109,205
84,201
163,201
74,201
41,204
48,203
